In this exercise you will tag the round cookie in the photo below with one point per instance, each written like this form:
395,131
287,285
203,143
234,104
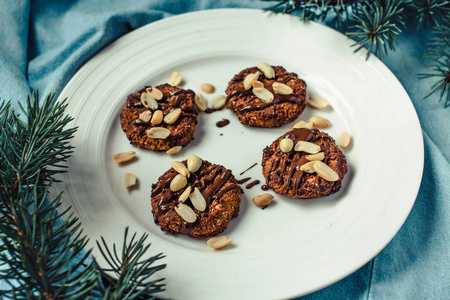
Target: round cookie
253,111
181,131
282,170
219,189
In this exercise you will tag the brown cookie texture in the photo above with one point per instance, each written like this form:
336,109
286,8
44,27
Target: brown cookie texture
282,170
220,190
181,131
253,111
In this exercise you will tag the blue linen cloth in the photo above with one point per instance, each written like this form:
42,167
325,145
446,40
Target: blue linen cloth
43,43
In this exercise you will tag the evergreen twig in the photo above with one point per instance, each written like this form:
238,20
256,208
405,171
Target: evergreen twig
377,24
42,250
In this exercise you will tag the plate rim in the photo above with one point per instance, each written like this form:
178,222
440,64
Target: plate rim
258,11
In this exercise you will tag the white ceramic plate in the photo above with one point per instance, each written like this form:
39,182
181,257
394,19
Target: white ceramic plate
293,247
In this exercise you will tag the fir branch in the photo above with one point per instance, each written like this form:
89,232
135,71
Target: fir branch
42,250
377,26
130,270
430,11
439,54
337,11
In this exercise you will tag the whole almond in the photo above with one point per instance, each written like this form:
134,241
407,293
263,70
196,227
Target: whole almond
130,180
320,122
344,139
303,124
198,200
184,195
124,157
257,84
155,93
174,150
282,88
176,79
308,167
207,88
263,94
248,80
218,101
218,242
262,200
313,157
267,70
158,133
325,171
317,102
173,116
148,101
186,213
181,168
157,117
200,102
286,145
178,182
145,116
194,163
307,147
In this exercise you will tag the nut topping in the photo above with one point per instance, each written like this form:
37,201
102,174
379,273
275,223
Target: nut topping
263,94
178,182
176,79
207,88
325,171
157,117
286,145
145,116
200,102
262,200
282,88
218,101
249,79
173,116
158,133
319,122
124,157
155,93
194,163
174,150
186,213
307,147
317,102
181,168
218,242
313,157
130,180
267,70
303,124
257,84
308,167
148,101
344,139
185,194
198,200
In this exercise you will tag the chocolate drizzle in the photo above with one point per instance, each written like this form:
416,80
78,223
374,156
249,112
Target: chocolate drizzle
213,181
286,169
252,184
223,123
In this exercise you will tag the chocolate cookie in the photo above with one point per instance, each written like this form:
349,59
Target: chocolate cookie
212,198
285,107
162,118
286,173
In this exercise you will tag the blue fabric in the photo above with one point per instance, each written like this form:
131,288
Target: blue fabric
43,43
